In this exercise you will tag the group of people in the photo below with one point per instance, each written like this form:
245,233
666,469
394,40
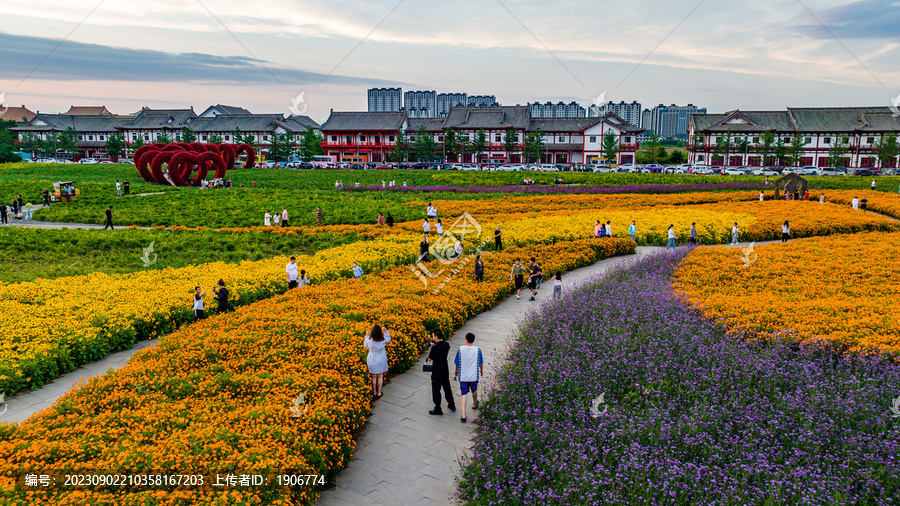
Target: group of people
383,221
535,276
857,204
221,296
218,183
123,188
17,210
469,368
604,230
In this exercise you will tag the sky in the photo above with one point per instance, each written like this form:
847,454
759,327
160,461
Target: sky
718,54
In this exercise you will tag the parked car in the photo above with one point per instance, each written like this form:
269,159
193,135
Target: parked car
89,161
653,167
865,172
733,171
717,169
546,167
765,171
701,169
833,171
125,160
602,168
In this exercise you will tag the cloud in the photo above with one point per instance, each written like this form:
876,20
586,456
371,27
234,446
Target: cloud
79,61
862,19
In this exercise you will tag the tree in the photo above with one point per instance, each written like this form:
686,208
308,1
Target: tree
66,144
115,146
742,145
400,153
310,144
50,144
424,145
534,146
885,148
136,144
452,145
677,157
31,143
795,150
8,151
764,146
697,144
510,142
781,151
164,138
723,147
609,147
838,150
216,139
188,135
652,145
479,144
280,147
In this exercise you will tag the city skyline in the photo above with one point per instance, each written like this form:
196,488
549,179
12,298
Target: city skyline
761,56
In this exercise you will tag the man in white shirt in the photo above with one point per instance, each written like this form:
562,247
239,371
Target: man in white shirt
469,368
426,227
267,219
291,271
119,188
431,212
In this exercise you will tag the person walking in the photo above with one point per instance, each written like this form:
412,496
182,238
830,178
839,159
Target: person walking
632,230
440,373
785,231
291,272
267,219
735,231
671,233
557,285
357,271
533,278
302,279
854,203
423,250
479,268
863,203
389,220
440,227
29,211
118,189
380,221
375,341
597,228
198,304
284,217
127,187
516,275
221,297
498,242
426,227
694,233
318,214
109,218
46,196
873,185
469,369
4,217
430,211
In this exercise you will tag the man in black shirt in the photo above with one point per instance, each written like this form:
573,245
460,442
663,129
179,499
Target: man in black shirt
109,217
498,242
440,373
423,250
532,279
126,186
46,196
389,220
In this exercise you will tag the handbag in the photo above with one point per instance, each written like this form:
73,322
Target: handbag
426,367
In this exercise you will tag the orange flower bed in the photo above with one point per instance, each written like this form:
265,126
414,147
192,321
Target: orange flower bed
843,288
216,397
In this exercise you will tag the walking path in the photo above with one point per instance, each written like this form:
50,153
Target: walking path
406,456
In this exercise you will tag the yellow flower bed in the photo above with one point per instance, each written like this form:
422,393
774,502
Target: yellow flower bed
879,202
52,326
215,397
843,288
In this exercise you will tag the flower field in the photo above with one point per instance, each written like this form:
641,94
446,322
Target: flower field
216,396
843,288
61,324
688,415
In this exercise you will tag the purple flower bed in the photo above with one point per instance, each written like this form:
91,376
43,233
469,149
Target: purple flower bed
543,189
691,417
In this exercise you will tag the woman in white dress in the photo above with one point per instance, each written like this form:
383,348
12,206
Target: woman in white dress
375,341
267,219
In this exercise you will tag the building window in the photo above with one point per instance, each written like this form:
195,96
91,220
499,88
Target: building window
362,138
90,137
498,138
265,137
146,137
627,140
348,139
81,137
101,138
870,140
756,140
560,139
391,138
377,139
592,138
827,140
203,137
440,138
807,140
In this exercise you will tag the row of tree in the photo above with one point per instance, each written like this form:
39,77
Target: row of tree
421,146
773,150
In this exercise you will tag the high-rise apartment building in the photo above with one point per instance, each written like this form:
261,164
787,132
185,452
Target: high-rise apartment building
557,110
385,99
671,121
482,100
629,112
420,104
447,100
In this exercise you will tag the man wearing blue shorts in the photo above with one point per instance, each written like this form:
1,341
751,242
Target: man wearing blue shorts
469,368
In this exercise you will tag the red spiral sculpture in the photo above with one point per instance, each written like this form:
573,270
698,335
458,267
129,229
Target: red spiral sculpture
182,159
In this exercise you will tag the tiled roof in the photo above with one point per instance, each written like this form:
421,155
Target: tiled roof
17,113
300,123
561,124
91,110
489,118
157,118
430,124
364,121
802,119
62,122
228,122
